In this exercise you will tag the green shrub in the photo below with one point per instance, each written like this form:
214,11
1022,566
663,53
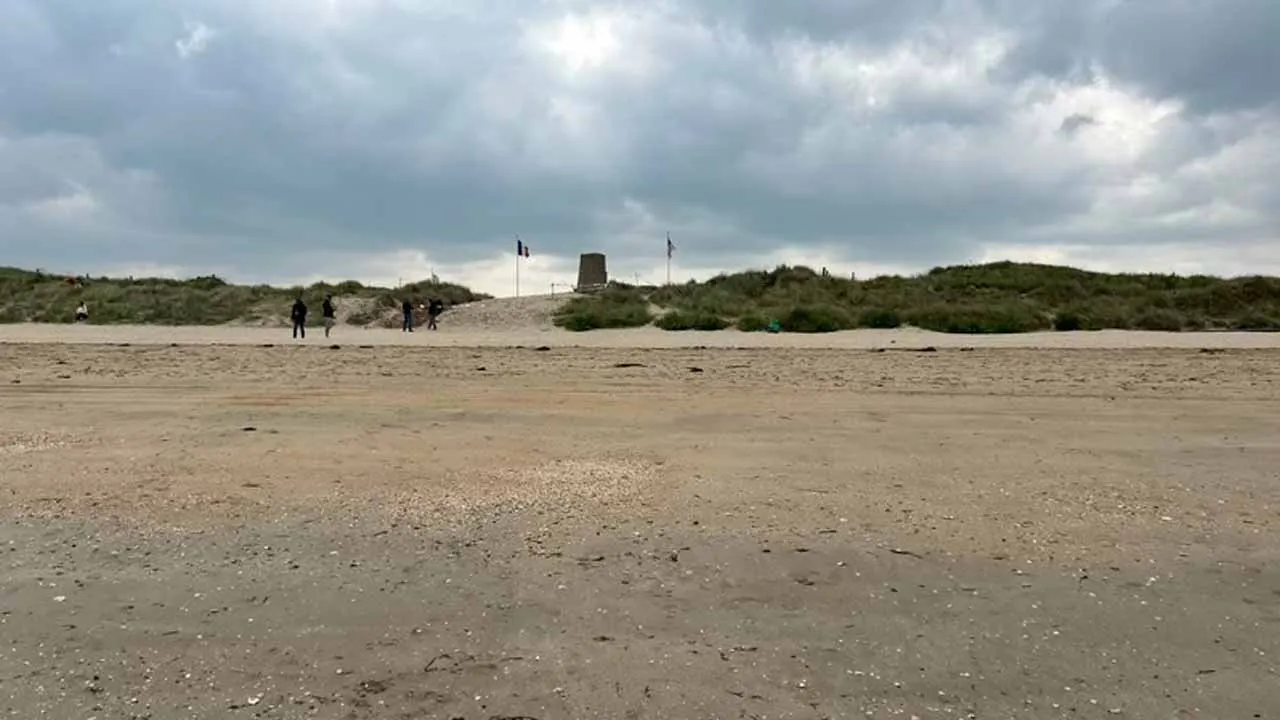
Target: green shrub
1256,322
613,308
1068,322
815,319
603,317
349,287
1159,319
1102,315
752,323
209,300
992,298
1193,322
879,318
679,320
978,319
206,282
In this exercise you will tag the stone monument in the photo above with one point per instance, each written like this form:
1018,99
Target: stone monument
592,273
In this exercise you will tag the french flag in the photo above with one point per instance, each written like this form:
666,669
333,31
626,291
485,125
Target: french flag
522,250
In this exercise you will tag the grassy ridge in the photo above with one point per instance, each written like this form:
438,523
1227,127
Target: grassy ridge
1000,297
27,296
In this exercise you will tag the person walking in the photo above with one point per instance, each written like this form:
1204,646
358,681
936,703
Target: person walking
434,309
407,308
326,310
299,316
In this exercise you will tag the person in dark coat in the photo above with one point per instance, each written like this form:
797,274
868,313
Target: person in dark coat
299,317
407,308
326,311
434,309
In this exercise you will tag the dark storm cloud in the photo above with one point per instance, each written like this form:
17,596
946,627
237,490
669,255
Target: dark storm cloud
1072,123
870,21
1217,56
223,133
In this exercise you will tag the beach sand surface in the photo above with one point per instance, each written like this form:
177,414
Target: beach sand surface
486,328
604,525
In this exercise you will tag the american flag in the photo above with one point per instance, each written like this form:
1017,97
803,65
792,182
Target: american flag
522,250
671,247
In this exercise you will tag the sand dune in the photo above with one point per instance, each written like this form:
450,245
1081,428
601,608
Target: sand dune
532,312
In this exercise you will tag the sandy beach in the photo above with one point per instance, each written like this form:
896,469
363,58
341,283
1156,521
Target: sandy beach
496,335
223,523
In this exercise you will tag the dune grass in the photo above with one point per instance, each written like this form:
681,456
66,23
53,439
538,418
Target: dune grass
994,298
617,306
1002,297
27,296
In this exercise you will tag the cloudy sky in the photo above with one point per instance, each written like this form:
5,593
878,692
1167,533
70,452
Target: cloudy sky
290,140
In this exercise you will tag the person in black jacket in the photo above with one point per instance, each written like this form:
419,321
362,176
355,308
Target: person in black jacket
326,311
434,309
407,308
299,316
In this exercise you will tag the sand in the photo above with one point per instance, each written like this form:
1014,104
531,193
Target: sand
447,526
482,325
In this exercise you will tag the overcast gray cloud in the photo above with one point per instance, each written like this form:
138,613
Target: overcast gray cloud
385,138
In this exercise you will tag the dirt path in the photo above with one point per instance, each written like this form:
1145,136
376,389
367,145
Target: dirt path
284,532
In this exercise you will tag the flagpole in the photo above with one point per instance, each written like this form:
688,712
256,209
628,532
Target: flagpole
517,265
